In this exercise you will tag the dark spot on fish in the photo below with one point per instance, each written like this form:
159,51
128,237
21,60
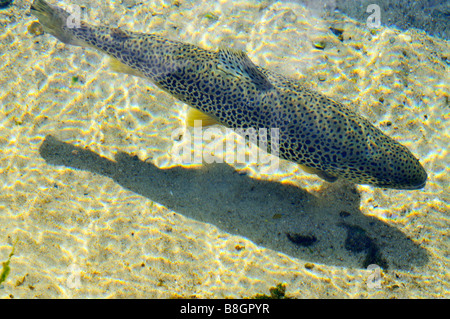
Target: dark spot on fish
302,240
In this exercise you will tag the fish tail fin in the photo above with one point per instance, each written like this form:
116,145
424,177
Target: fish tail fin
57,22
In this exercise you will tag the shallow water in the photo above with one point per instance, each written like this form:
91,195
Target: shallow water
93,194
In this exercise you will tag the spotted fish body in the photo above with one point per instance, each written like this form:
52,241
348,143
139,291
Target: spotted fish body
315,131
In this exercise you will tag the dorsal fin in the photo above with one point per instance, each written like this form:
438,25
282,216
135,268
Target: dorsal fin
237,63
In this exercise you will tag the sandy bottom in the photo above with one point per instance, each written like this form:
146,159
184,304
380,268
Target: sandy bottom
93,197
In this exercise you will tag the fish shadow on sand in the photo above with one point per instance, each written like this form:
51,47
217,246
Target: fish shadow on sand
325,228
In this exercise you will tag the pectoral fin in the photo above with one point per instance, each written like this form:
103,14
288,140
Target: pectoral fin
194,114
325,176
118,66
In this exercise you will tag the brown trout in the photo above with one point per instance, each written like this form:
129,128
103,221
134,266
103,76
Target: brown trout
324,136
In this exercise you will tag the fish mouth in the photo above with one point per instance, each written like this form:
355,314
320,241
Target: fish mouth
418,186
405,186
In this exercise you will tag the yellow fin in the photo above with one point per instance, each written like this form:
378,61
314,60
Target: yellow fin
307,169
194,114
118,66
321,174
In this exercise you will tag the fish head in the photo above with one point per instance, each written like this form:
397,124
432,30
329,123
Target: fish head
391,165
